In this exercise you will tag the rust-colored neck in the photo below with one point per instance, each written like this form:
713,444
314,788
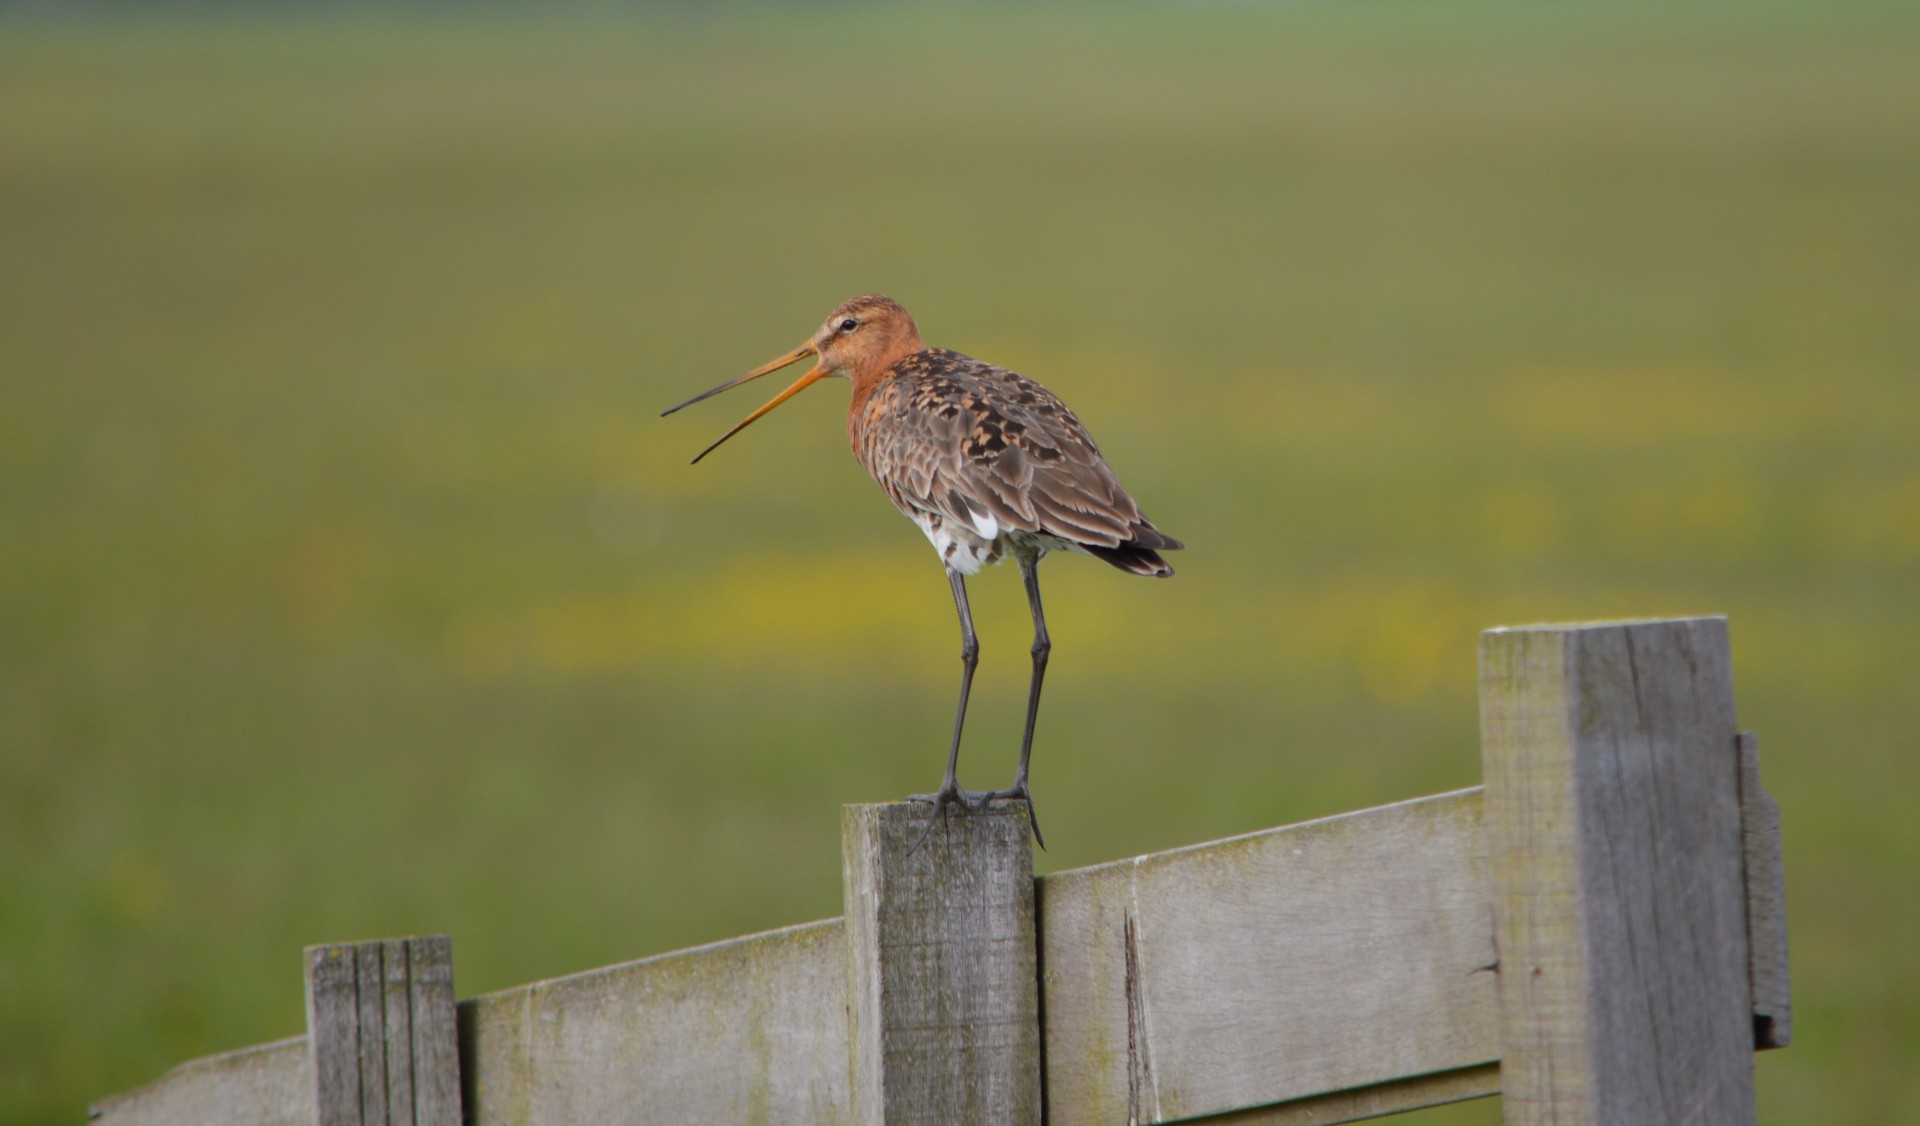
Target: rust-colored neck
873,371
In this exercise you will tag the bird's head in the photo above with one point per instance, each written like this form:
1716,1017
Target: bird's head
866,335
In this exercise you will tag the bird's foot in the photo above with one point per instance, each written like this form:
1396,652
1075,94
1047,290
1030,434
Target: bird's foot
1018,792
971,800
949,794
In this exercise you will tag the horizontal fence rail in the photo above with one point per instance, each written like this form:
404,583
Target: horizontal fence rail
1598,933
1292,964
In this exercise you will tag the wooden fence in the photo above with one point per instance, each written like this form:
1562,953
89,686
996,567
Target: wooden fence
1597,933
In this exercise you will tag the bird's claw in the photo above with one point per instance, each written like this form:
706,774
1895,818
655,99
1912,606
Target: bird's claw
949,794
1018,792
973,801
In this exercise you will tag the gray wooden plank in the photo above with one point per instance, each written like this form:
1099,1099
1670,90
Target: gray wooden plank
333,1033
942,971
397,1021
1283,965
265,1085
1613,822
1766,886
435,1049
370,985
1376,1101
749,1030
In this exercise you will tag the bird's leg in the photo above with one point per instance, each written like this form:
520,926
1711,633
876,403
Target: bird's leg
950,792
1042,646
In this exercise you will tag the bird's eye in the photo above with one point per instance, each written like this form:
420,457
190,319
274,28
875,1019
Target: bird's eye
849,325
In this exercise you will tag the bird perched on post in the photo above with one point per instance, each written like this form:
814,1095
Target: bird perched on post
987,462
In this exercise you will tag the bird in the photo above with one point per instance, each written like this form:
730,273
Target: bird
989,464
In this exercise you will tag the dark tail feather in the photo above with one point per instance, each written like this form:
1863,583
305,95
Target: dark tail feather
1154,538
1132,558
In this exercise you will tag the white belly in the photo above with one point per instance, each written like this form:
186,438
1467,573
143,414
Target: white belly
962,548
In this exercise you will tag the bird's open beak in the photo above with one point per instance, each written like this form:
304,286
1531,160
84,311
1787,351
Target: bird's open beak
792,357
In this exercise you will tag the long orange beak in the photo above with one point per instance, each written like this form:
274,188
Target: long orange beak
792,357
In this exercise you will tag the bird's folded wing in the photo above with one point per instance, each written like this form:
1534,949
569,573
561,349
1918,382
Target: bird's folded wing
1021,466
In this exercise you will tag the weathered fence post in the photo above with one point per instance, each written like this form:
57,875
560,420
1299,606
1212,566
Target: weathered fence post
380,1033
1613,821
1766,904
942,966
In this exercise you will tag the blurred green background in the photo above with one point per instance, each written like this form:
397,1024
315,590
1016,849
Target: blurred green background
350,585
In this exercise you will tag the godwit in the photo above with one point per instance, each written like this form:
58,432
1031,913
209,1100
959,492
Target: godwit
988,463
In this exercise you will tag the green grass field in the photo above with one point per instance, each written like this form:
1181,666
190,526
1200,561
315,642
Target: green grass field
350,587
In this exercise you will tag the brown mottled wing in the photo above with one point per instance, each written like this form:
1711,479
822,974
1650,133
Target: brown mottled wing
963,438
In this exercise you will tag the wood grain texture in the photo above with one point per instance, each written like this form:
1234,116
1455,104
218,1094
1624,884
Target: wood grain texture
333,1033
435,1053
753,1030
1613,820
370,994
265,1085
1766,885
1379,1100
1284,965
941,966
396,1005
380,1033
